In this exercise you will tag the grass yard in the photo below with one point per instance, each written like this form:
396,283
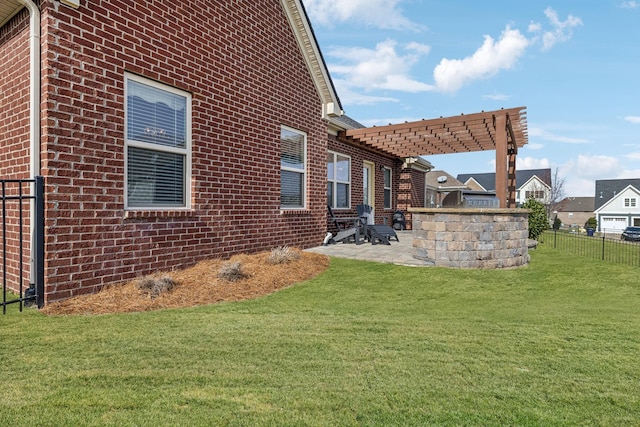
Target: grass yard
556,343
608,249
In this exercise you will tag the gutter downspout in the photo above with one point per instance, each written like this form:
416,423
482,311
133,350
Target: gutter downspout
34,115
34,87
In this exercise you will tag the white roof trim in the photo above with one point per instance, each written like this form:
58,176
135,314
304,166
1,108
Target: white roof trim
477,183
418,163
313,58
535,178
617,196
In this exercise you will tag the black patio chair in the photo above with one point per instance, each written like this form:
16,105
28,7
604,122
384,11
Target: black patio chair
375,233
349,228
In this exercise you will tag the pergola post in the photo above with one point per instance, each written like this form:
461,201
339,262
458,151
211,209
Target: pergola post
511,176
501,159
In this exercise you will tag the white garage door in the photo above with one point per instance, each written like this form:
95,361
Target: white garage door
613,223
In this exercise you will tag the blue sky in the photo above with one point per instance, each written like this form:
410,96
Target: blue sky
574,65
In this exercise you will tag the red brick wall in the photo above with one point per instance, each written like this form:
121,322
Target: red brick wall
358,156
14,97
240,61
411,191
14,137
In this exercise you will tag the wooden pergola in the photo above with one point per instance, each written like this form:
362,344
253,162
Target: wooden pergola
502,130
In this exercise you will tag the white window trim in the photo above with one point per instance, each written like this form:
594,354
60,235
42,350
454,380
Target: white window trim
156,147
336,181
303,171
390,187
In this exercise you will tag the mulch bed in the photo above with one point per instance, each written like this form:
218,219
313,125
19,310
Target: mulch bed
198,285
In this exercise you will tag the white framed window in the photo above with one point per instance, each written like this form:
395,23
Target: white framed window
293,168
630,202
387,188
534,194
157,145
338,180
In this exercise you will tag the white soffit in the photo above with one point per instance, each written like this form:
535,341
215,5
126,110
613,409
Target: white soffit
312,56
8,9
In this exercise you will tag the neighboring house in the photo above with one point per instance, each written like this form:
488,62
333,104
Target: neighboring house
438,184
617,204
169,132
574,211
530,184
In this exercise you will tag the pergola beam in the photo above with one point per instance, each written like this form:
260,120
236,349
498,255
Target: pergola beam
502,130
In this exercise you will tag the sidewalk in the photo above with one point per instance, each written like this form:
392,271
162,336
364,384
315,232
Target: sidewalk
400,253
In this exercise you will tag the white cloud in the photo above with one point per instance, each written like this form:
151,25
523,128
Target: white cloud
630,5
578,187
492,57
581,173
351,97
549,136
628,174
593,167
380,68
633,119
384,14
496,97
420,48
633,156
525,163
561,30
531,146
387,121
534,27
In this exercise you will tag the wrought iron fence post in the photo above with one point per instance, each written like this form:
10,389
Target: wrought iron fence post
603,238
38,250
555,233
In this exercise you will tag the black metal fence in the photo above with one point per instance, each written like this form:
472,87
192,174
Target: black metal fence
22,240
606,248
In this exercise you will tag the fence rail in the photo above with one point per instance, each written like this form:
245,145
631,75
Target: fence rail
610,249
22,242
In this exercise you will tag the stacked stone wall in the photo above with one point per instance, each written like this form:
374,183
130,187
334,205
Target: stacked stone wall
471,238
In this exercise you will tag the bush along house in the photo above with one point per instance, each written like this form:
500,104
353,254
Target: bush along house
171,132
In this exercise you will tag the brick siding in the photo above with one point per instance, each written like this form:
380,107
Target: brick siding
14,134
358,156
240,61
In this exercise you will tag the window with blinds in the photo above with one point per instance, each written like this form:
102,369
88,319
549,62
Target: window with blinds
158,122
293,168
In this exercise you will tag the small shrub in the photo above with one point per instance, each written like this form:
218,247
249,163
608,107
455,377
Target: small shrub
282,255
557,224
232,271
155,286
538,221
591,223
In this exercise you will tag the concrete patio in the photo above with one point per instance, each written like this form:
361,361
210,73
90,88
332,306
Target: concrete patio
400,253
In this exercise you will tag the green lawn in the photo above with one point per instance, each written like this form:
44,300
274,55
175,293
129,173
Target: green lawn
554,343
608,248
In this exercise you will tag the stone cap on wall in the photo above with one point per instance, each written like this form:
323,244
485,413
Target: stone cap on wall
469,210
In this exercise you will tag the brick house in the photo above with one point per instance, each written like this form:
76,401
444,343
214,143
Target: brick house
168,134
574,211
